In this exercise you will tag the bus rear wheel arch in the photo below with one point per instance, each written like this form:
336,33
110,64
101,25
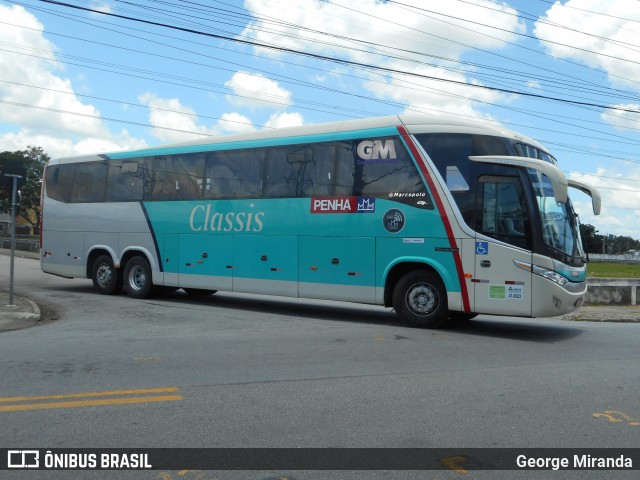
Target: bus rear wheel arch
420,299
106,278
137,277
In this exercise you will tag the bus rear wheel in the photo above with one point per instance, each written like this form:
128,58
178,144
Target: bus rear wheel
137,278
105,276
420,299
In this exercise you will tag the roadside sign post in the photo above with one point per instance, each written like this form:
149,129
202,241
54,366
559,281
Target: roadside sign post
14,214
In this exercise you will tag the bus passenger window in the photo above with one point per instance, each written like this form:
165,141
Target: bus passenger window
177,177
89,182
235,173
59,181
125,180
286,168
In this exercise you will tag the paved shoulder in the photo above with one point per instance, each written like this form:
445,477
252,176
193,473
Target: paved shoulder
609,313
23,313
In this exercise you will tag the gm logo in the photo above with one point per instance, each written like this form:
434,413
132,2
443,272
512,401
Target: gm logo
377,150
23,459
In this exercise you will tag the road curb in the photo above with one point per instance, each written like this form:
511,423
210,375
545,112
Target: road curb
24,313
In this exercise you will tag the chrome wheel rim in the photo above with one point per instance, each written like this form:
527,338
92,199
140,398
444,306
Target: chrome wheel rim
422,299
137,278
104,275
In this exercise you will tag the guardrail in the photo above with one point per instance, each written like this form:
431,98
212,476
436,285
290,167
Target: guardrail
27,245
613,291
599,257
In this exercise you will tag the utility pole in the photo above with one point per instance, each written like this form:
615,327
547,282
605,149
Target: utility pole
14,214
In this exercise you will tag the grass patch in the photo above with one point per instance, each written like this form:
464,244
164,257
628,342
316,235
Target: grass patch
613,270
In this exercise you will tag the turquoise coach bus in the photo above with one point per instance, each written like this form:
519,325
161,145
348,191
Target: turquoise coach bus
435,217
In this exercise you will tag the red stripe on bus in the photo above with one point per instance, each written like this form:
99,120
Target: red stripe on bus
445,218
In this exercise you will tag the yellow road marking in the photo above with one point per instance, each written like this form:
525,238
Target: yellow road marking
454,463
89,403
122,397
91,394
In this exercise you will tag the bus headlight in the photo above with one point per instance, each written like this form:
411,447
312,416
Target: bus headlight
543,272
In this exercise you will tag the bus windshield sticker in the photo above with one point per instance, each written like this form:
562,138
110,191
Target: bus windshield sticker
393,220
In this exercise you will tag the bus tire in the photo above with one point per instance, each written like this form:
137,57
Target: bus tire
105,276
420,299
138,278
199,292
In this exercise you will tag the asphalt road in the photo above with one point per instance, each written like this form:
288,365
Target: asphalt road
245,371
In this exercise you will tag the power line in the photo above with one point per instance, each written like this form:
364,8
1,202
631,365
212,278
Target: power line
341,61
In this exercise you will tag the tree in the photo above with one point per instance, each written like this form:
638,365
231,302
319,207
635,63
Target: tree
34,160
591,238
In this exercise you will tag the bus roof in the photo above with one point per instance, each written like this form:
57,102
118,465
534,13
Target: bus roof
415,123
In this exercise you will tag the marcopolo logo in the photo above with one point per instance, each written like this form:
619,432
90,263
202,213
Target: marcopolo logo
378,151
393,220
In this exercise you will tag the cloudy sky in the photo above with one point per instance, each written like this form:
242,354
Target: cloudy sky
101,76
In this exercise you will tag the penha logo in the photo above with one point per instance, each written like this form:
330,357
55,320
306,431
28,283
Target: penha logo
343,205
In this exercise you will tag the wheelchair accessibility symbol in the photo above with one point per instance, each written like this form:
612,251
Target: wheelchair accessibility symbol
482,248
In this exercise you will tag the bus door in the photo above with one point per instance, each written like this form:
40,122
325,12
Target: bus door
503,236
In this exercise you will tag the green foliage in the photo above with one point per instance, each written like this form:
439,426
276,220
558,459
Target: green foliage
610,244
614,270
34,159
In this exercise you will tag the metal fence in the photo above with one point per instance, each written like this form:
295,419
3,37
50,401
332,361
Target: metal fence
24,244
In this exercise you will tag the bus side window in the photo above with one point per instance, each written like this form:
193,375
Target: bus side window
235,173
388,170
177,177
89,182
59,181
125,180
281,175
319,176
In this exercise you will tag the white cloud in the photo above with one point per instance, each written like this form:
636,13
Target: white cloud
257,91
415,25
101,7
235,123
286,119
51,116
173,122
388,28
621,119
620,199
610,42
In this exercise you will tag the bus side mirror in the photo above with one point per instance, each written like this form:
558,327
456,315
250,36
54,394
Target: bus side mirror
596,200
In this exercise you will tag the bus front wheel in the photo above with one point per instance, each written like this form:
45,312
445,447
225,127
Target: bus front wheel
420,299
105,276
137,278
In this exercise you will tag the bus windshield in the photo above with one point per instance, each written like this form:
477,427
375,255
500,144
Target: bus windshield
559,222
